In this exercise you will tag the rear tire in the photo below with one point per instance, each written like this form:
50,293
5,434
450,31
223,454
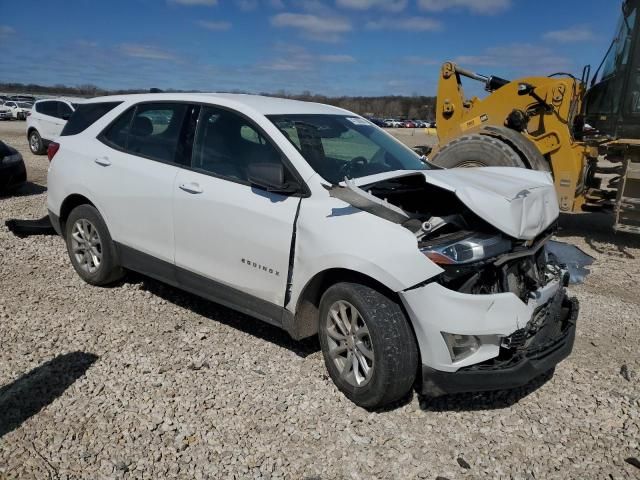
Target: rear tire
477,151
377,335
91,250
36,145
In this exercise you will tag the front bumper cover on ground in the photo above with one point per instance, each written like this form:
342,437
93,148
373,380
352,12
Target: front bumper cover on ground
516,366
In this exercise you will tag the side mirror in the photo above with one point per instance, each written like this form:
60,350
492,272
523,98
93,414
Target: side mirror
66,116
270,176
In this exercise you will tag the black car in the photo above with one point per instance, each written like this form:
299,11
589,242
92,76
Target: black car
13,172
376,121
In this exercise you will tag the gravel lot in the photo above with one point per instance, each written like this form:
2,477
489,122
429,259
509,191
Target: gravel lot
144,381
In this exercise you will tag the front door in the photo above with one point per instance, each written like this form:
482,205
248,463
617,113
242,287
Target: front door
227,232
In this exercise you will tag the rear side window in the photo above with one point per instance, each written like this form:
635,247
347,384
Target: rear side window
151,130
47,108
86,115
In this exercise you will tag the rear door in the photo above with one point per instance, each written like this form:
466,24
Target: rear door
63,113
48,121
134,168
232,239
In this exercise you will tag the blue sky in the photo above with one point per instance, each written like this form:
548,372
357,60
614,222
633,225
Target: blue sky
336,47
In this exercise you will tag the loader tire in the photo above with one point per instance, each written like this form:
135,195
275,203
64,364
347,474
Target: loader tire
477,150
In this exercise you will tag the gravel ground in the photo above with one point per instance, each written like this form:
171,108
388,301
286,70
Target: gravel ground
144,381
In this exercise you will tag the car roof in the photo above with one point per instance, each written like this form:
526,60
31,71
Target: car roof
61,99
262,104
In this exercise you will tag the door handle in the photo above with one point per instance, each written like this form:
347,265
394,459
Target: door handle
103,161
191,188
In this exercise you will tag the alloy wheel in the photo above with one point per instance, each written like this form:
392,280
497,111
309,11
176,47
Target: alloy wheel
86,245
350,346
34,143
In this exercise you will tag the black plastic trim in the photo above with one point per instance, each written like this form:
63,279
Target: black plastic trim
436,382
204,287
292,254
55,222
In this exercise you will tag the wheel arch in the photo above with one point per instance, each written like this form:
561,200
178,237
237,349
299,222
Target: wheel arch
305,321
72,201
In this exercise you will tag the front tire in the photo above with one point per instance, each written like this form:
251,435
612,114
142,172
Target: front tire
368,345
36,145
477,151
90,247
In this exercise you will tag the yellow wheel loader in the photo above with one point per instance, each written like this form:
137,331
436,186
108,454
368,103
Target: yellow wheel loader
589,138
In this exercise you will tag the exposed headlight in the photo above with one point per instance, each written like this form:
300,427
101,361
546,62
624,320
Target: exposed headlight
460,346
467,250
14,158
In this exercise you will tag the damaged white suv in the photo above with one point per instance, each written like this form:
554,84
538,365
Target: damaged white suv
311,218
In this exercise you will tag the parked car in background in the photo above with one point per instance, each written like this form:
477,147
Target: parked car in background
19,110
12,169
310,218
377,121
48,118
5,112
409,124
22,98
393,123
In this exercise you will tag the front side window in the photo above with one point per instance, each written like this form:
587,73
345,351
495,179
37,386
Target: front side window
151,130
338,146
117,133
226,144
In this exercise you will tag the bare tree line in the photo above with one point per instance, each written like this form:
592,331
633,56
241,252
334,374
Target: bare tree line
394,106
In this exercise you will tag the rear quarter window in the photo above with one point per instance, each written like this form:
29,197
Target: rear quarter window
49,108
86,115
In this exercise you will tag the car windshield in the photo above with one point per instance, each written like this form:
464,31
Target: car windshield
24,105
339,146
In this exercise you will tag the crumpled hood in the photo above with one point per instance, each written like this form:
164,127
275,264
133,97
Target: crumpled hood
521,203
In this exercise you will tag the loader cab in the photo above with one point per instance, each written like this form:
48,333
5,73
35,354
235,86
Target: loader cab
612,103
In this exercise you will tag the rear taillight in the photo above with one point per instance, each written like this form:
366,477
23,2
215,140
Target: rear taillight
52,149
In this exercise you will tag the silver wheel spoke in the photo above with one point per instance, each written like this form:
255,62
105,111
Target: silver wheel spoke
344,317
349,343
355,369
364,350
354,320
362,361
338,351
339,323
333,333
347,368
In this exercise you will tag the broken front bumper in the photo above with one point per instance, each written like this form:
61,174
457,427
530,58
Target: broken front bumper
518,341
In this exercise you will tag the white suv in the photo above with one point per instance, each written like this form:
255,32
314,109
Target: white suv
311,218
19,110
46,121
